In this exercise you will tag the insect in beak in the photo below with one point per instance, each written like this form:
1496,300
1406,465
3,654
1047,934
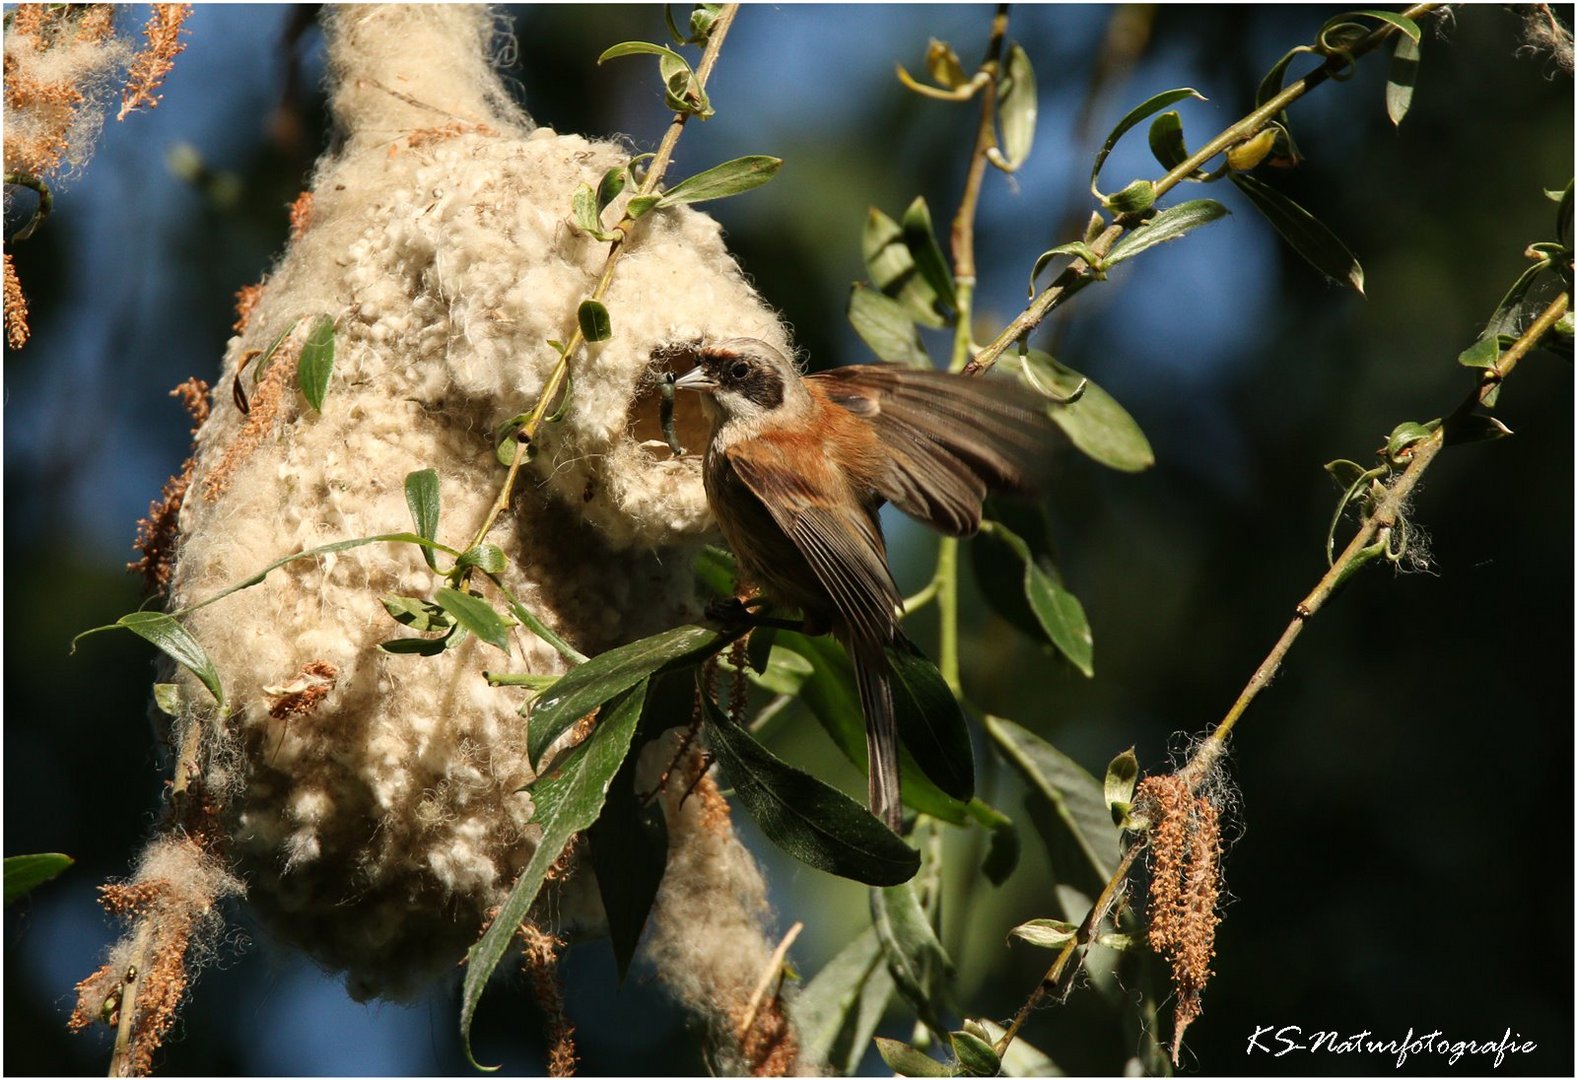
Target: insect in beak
696,379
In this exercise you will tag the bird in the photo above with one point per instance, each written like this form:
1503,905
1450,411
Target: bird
797,467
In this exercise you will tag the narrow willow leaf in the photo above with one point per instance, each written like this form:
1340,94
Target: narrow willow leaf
421,495
920,237
529,620
838,1010
915,955
640,205
943,64
1019,107
1077,797
1058,611
633,48
1303,231
1137,198
1485,352
817,824
587,214
1401,79
1474,427
906,1060
629,852
420,615
1002,853
24,873
999,567
1143,111
594,322
828,691
976,1057
1508,313
1168,224
1096,424
1166,140
1022,1059
1077,249
415,646
603,676
609,187
1045,933
565,802
721,181
1563,215
488,558
316,362
476,615
176,642
1407,26
1271,85
886,326
930,723
1121,777
892,270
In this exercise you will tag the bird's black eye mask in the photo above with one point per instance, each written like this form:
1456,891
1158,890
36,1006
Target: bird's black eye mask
752,380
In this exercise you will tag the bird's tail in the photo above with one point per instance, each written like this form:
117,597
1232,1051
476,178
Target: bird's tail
871,676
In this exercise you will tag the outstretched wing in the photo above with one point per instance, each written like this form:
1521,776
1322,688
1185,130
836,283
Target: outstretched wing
838,534
950,439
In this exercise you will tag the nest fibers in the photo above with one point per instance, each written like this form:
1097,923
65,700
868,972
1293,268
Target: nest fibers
381,803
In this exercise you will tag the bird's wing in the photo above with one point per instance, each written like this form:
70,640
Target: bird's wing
949,438
838,535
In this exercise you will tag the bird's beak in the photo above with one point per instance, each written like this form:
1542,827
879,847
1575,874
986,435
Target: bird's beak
696,379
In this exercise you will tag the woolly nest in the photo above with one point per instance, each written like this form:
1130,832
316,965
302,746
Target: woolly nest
380,804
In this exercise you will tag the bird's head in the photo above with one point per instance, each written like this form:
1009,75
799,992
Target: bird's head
746,383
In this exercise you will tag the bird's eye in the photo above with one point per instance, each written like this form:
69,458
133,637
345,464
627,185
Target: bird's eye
739,370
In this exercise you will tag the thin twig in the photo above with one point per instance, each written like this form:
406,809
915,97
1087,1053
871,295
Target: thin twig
120,1063
1059,978
773,969
551,392
1076,275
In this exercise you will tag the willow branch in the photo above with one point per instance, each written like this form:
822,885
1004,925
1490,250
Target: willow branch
557,379
1078,273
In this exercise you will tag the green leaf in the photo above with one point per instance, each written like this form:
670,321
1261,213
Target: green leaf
1405,435
488,558
1407,26
1076,249
1401,79
640,205
1045,933
1077,797
316,362
887,327
1303,231
633,48
1018,107
476,615
815,823
930,723
420,615
1271,85
1166,140
566,801
415,646
828,691
609,187
594,322
1121,777
975,1056
602,677
1563,215
715,572
1137,198
1021,1058
168,698
920,238
1098,426
529,620
1508,314
587,214
1474,427
721,181
1143,111
1058,611
1483,353
892,268
176,642
24,873
1002,853
421,495
914,953
629,852
838,1010
1168,224
905,1060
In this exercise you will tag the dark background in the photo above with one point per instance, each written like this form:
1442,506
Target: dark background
1403,853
